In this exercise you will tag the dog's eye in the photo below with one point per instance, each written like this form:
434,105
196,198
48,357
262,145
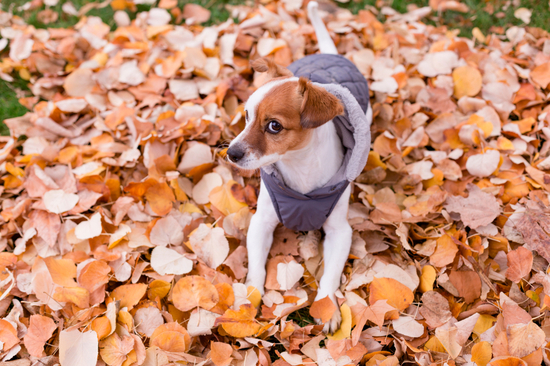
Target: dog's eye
274,127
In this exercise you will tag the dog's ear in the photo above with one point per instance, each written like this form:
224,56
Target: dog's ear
265,64
318,105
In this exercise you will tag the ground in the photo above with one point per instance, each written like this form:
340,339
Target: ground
477,17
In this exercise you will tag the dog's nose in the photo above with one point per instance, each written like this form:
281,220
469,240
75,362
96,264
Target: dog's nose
235,154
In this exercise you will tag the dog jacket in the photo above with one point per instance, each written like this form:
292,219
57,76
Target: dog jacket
340,77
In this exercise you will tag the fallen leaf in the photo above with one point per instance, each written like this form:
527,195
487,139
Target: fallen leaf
194,291
76,348
88,229
524,339
210,245
398,295
220,353
288,274
519,263
57,201
467,81
240,323
408,326
322,309
167,261
171,337
129,295
479,209
481,353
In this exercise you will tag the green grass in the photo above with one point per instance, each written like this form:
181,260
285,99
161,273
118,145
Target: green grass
476,17
9,104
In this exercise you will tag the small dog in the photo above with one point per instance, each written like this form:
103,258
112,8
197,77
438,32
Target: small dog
310,135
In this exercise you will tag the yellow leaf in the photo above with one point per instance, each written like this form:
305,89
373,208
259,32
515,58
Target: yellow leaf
504,144
428,278
467,81
222,198
158,288
482,353
345,328
483,323
254,296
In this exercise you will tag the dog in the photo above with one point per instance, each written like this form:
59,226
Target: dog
310,136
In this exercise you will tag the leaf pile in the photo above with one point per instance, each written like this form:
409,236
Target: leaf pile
122,237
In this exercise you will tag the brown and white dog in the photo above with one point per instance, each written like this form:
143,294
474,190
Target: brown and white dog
291,134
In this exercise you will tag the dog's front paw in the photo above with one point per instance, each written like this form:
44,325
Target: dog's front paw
333,324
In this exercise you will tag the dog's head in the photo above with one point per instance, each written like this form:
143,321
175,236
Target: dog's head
280,117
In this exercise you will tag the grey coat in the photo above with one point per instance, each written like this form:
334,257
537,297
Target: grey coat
340,77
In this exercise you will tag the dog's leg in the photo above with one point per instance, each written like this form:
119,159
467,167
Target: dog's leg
259,239
337,246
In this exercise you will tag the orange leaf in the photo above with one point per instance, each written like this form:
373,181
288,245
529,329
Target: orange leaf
240,323
40,330
226,296
129,295
171,337
507,361
94,275
220,353
114,350
102,326
398,295
194,291
322,309
160,197
445,251
8,335
63,271
77,295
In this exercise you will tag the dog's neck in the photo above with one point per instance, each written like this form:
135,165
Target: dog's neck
311,167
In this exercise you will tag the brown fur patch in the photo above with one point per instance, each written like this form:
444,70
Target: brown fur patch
265,64
294,105
318,105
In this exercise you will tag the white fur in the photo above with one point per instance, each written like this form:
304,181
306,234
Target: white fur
326,45
302,170
312,166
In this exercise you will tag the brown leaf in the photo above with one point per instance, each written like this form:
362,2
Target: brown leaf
467,283
435,309
520,262
479,209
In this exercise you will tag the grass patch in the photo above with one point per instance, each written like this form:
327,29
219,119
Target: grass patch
9,102
301,317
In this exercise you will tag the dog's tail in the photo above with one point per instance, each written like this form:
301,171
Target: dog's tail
326,45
